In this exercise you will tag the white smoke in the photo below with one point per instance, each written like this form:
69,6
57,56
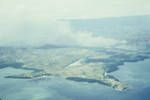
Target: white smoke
41,32
23,23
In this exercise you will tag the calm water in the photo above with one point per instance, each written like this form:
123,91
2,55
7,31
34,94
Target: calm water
135,74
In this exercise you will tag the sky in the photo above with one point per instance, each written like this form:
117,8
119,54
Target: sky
37,21
74,8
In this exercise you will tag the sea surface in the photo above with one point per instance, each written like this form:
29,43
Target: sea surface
134,74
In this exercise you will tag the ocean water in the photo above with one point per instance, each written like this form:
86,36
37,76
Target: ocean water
135,74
